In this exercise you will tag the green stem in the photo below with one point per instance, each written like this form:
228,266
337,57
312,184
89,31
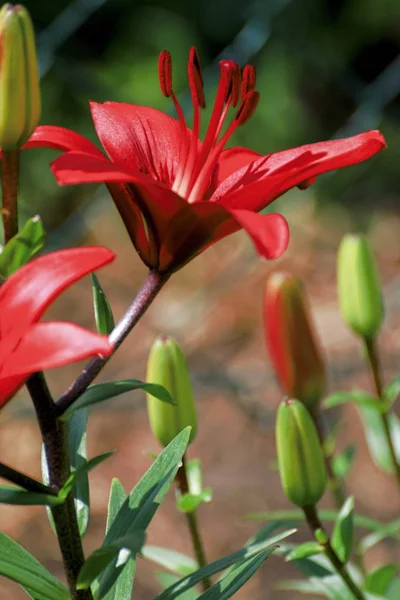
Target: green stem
55,441
315,524
376,372
9,182
191,518
335,484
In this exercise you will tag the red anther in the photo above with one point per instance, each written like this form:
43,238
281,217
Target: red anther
248,79
235,85
247,108
195,78
165,73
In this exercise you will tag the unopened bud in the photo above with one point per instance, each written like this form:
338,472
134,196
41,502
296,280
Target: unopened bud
291,340
360,296
167,367
300,456
19,78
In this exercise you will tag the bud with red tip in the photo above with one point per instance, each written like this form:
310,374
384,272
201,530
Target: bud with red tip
19,78
167,366
292,343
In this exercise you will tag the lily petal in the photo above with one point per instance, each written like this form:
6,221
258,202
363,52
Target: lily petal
140,139
28,292
60,138
270,233
53,344
203,224
256,185
158,203
231,161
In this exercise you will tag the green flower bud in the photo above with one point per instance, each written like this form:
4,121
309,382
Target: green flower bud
167,367
300,456
360,295
19,78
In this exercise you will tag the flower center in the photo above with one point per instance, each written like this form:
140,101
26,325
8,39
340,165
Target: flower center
197,162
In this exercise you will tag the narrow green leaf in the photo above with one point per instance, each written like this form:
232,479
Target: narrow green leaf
46,481
305,550
378,581
139,508
248,552
316,565
390,530
20,566
391,392
376,438
120,550
393,592
297,516
82,471
102,309
343,531
122,588
104,391
10,494
77,426
358,397
168,579
22,247
231,583
178,563
343,461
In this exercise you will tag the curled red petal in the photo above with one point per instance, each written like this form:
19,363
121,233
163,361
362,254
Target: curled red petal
270,233
28,292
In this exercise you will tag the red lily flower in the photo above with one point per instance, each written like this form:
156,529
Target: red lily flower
27,346
177,195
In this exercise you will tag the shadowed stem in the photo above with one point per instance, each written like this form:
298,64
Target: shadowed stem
55,440
149,290
24,481
376,372
315,524
9,183
191,518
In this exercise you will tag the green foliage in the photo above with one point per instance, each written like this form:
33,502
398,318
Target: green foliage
376,437
122,588
104,391
197,495
170,559
20,566
137,511
342,535
342,462
22,247
77,426
379,580
240,558
102,309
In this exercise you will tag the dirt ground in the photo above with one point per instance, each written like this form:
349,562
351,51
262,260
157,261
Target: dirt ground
213,307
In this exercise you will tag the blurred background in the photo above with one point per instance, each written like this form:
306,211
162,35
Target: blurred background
326,68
